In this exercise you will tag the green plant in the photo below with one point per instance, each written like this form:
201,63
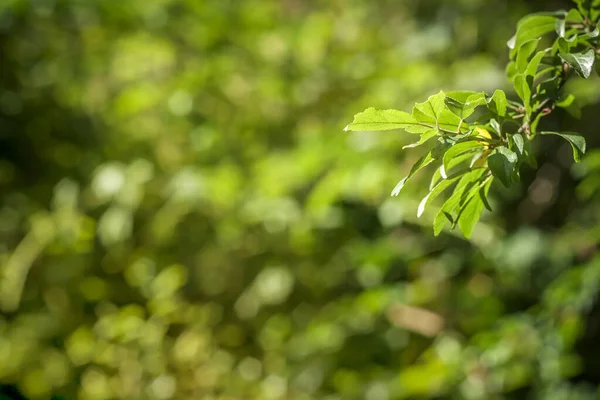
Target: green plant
475,137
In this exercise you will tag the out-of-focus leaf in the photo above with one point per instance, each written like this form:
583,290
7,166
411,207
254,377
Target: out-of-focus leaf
574,15
565,102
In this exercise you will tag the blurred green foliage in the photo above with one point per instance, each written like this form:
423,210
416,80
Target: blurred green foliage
182,217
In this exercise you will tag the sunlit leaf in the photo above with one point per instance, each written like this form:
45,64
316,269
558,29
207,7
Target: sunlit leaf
463,104
531,27
497,103
378,120
425,136
430,110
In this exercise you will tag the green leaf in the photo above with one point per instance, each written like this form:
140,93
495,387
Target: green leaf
434,113
479,156
524,53
511,70
463,95
429,111
440,220
565,102
421,163
446,170
590,35
471,212
436,191
581,62
594,10
516,175
523,91
502,162
483,193
582,6
497,103
450,122
425,136
576,140
470,215
559,27
442,145
574,110
530,157
533,65
379,120
476,100
450,157
444,214
545,71
463,103
512,41
435,178
574,15
523,82
531,27
437,175
455,106
495,125
548,88
527,88
533,125
519,143
564,45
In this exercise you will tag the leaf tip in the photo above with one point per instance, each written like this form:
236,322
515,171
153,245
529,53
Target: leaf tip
511,42
398,187
421,208
443,172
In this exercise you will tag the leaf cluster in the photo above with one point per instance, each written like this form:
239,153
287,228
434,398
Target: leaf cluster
475,137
